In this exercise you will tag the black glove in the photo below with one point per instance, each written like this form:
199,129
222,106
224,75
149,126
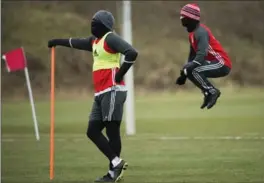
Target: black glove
122,71
59,42
118,77
52,43
189,67
181,80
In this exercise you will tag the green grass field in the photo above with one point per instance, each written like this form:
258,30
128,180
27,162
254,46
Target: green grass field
176,141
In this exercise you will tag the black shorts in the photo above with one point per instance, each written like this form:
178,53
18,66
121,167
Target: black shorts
108,106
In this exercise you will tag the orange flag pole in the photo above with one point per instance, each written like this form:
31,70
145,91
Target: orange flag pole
52,98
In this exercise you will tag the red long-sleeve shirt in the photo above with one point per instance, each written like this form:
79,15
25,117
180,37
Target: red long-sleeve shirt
204,46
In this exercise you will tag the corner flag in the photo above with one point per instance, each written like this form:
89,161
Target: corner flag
15,60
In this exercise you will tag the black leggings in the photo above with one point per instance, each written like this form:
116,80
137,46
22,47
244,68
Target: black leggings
110,147
113,134
200,74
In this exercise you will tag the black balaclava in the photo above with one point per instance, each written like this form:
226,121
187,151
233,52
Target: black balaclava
189,23
102,22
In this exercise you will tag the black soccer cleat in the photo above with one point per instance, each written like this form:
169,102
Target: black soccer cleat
206,99
119,170
215,94
105,178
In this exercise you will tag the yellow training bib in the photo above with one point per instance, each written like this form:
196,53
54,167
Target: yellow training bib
103,59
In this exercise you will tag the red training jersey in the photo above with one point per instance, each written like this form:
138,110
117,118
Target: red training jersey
215,49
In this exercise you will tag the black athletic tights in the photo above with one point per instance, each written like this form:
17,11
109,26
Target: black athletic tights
110,147
199,75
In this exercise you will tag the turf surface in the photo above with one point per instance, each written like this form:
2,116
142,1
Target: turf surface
176,142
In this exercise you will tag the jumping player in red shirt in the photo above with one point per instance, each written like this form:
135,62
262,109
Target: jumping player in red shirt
207,58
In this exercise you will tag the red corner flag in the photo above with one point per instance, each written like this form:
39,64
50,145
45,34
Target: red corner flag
15,61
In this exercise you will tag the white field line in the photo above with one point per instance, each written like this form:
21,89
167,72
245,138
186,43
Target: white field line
165,138
213,138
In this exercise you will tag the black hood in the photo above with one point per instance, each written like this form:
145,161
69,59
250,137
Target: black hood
102,22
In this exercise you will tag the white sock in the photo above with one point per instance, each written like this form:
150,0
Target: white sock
111,173
116,161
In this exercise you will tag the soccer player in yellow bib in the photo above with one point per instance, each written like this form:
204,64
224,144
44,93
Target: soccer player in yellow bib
110,91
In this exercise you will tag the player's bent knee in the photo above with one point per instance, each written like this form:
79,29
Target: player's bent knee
89,133
191,73
226,71
92,130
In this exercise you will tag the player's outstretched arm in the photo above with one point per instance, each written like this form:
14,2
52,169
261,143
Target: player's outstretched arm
119,45
76,43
